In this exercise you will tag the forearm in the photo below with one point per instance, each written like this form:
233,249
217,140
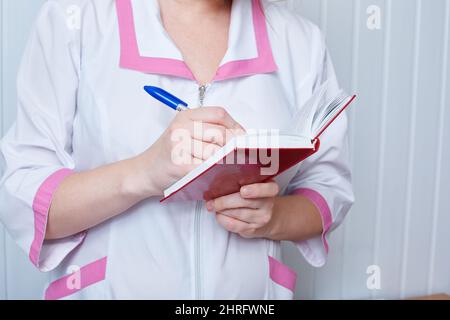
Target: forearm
294,218
86,199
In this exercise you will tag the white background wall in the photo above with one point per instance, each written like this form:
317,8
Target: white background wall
400,133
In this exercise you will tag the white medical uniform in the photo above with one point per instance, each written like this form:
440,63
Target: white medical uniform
81,105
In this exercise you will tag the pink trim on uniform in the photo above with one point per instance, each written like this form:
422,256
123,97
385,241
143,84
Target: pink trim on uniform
282,274
41,206
88,275
130,57
129,49
264,63
324,210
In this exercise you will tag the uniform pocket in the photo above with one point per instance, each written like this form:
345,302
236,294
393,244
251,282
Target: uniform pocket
284,279
82,278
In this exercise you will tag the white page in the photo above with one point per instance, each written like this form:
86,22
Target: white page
326,101
304,117
331,110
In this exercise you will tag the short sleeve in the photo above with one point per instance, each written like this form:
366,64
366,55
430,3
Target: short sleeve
35,155
325,177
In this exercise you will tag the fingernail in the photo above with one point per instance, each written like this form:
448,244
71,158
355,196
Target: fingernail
245,191
209,205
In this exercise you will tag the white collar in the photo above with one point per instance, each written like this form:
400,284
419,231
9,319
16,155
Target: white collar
140,26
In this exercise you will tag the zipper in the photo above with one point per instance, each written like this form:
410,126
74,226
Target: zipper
202,93
198,280
197,219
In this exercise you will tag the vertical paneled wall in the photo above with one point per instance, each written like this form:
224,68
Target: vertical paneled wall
399,132
400,128
18,278
2,232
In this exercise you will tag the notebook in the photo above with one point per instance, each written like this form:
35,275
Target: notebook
260,156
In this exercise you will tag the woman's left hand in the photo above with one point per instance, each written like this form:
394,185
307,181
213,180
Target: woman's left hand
248,212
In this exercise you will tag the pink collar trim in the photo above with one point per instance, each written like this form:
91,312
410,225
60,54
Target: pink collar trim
130,57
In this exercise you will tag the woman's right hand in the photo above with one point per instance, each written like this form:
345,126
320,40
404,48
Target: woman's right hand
192,137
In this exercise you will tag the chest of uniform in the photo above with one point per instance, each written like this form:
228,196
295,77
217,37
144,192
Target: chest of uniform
132,120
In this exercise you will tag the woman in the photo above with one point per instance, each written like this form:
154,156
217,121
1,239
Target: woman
90,154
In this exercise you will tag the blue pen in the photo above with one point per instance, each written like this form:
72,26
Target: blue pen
167,98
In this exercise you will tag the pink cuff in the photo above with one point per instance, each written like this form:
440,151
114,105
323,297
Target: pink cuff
324,210
41,206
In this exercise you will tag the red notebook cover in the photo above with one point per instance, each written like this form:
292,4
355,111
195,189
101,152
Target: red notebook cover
223,179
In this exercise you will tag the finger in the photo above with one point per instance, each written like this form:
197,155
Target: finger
203,150
214,115
196,162
232,201
250,216
260,190
232,225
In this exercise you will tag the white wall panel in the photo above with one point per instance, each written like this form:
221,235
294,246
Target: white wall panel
439,279
2,232
423,149
398,131
19,277
392,171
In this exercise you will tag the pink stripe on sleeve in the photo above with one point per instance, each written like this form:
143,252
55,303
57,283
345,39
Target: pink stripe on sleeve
321,204
41,206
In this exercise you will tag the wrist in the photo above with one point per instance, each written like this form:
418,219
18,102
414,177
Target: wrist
272,229
140,181
278,225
